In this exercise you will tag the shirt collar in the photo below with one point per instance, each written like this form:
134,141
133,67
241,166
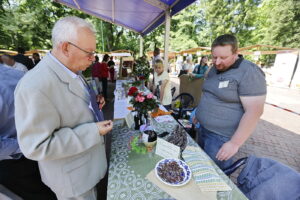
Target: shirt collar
235,65
72,74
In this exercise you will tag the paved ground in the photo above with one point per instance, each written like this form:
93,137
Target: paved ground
277,135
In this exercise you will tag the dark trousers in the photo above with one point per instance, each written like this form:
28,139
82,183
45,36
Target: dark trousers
22,177
104,87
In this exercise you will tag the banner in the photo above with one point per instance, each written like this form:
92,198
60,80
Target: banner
283,69
296,78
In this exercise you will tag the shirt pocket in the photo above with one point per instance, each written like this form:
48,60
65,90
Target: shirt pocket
229,93
232,84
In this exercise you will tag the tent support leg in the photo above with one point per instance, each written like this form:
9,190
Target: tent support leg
167,38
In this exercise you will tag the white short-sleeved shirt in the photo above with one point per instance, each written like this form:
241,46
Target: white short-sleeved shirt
20,66
167,98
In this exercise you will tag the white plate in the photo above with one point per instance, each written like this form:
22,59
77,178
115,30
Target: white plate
187,173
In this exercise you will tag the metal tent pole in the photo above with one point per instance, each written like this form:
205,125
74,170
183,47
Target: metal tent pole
167,38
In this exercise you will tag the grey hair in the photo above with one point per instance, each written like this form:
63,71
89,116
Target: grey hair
66,29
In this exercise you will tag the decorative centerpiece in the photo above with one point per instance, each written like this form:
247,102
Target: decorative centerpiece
142,103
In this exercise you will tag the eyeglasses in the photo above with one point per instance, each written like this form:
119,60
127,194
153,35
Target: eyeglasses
89,54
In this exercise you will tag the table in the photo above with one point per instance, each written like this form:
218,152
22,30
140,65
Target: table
127,169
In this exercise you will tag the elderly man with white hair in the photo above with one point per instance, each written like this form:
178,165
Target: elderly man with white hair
57,118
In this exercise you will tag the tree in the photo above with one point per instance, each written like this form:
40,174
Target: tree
232,16
28,23
280,23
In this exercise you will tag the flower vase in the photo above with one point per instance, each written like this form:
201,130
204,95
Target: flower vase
143,85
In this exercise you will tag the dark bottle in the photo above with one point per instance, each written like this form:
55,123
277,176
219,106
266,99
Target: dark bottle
136,122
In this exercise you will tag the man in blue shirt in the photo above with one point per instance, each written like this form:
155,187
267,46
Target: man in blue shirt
17,173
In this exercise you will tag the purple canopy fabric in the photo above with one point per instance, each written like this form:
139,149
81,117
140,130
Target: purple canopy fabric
141,16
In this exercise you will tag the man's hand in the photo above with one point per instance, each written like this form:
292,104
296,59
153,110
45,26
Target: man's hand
101,101
228,150
104,126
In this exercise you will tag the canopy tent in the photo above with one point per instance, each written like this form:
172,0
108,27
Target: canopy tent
260,49
171,54
141,16
119,53
9,52
197,50
39,51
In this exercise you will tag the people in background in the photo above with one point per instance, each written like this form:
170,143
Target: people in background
58,121
104,73
187,66
200,69
156,56
232,101
179,63
36,58
21,58
17,173
96,74
111,64
162,84
10,62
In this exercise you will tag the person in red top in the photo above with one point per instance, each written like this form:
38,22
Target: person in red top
96,75
104,71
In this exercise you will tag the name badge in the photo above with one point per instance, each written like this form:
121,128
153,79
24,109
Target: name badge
223,84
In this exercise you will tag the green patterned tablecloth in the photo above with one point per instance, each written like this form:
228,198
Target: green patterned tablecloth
128,169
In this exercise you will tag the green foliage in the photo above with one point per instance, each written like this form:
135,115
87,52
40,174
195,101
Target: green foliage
137,146
280,23
28,24
141,102
235,17
142,68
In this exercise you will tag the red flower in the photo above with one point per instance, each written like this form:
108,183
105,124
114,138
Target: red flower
132,91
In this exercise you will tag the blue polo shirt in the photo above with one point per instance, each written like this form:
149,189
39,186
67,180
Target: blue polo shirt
220,109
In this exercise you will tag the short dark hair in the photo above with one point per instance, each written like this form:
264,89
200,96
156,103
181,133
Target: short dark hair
105,58
21,50
97,58
226,39
157,50
36,54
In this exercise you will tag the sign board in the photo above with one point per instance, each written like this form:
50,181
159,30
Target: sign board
166,149
296,78
283,69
